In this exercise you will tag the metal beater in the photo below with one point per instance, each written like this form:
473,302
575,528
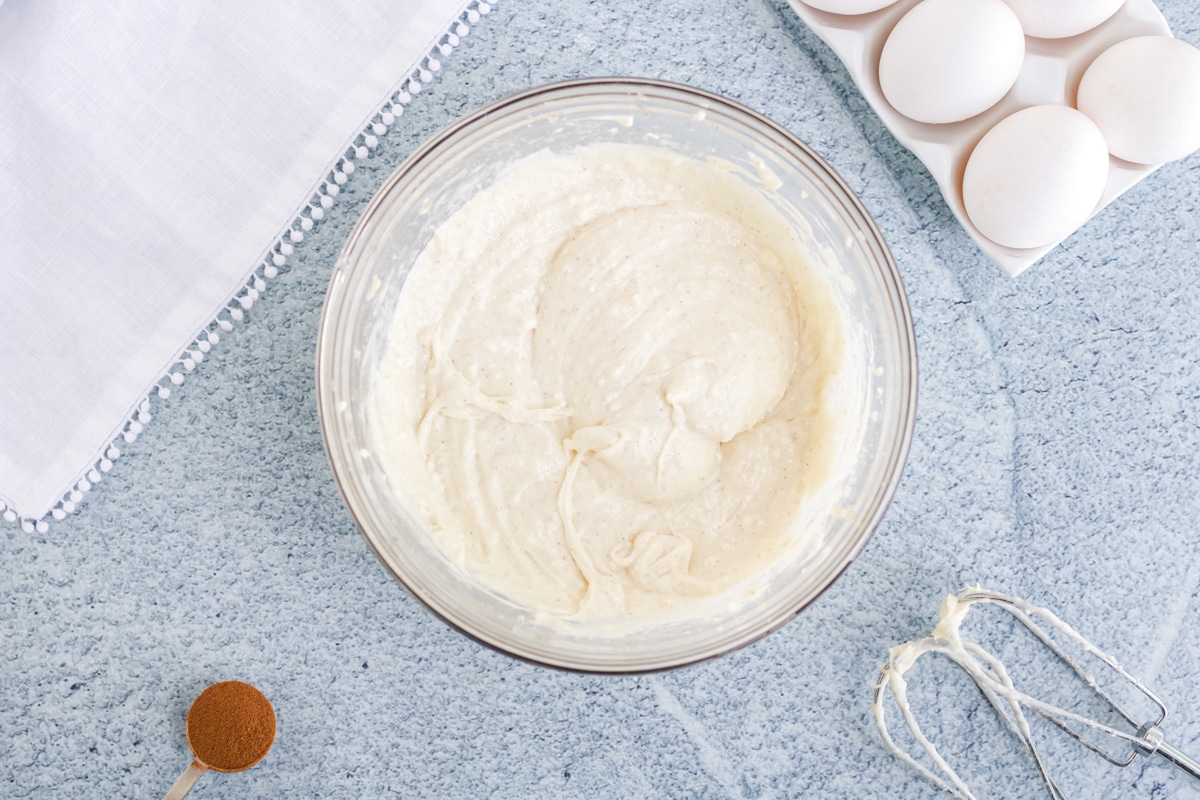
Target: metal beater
993,679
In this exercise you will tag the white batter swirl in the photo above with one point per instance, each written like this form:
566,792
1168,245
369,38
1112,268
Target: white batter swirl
608,385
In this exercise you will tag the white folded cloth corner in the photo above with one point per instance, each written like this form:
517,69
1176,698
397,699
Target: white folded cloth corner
155,159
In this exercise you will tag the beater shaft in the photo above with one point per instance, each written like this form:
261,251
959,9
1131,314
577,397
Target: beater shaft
1152,743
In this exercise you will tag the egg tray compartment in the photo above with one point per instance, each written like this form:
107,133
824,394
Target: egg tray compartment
1050,74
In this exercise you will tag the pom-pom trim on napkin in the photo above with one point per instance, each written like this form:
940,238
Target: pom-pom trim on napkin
274,259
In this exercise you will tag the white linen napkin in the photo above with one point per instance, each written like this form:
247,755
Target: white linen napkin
156,161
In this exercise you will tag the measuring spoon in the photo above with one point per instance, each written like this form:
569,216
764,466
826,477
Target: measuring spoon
230,727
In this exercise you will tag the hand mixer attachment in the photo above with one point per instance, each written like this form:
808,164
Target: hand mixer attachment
1010,703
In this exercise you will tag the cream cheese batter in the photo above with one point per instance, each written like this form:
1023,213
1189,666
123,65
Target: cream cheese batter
609,386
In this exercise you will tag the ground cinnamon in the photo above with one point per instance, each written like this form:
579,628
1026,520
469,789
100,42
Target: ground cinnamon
231,726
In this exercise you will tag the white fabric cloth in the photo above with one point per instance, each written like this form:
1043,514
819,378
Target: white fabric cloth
151,154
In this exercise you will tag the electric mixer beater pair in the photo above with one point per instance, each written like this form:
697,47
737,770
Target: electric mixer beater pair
1132,734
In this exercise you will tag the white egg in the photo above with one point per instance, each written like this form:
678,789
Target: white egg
1058,19
1144,94
849,7
1036,176
948,60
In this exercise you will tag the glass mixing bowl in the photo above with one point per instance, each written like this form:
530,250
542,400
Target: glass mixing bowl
832,226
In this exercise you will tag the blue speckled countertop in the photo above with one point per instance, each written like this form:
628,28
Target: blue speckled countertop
1056,456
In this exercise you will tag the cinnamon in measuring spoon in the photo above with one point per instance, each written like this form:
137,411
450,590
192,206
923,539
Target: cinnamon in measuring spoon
230,728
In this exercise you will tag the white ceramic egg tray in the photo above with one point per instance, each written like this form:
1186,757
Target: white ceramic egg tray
1050,74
